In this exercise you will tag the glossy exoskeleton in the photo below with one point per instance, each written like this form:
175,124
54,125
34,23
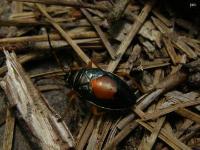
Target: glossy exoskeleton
101,88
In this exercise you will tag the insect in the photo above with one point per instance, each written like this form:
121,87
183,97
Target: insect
101,88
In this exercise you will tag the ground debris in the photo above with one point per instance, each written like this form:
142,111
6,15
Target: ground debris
149,44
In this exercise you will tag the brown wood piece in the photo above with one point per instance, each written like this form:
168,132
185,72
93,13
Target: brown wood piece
86,134
134,29
66,3
145,102
171,81
34,113
170,139
9,131
170,50
43,37
121,135
64,34
184,126
100,33
124,45
118,10
158,113
189,114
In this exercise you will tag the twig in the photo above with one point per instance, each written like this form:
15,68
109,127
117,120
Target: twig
170,50
150,140
171,81
114,130
107,125
121,135
96,13
9,131
152,64
158,113
134,29
83,127
155,132
157,77
21,23
185,48
192,44
189,114
189,135
100,33
117,10
148,31
166,21
79,4
78,50
161,26
123,122
132,59
43,37
185,125
142,105
132,125
44,88
34,113
67,3
22,59
177,42
86,135
95,135
113,63
167,137
43,46
122,48
149,98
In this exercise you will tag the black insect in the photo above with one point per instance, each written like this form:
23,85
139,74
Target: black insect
101,88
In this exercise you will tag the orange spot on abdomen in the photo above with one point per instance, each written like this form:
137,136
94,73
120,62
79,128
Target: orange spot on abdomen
104,87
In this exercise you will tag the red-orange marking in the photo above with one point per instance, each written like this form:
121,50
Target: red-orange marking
104,88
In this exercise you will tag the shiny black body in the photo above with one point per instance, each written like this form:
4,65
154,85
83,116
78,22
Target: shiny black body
80,80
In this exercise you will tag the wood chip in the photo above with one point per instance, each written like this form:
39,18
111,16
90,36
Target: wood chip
167,137
9,131
33,109
170,50
100,33
126,42
189,114
77,49
158,113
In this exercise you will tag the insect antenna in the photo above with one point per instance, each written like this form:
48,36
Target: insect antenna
53,52
67,73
